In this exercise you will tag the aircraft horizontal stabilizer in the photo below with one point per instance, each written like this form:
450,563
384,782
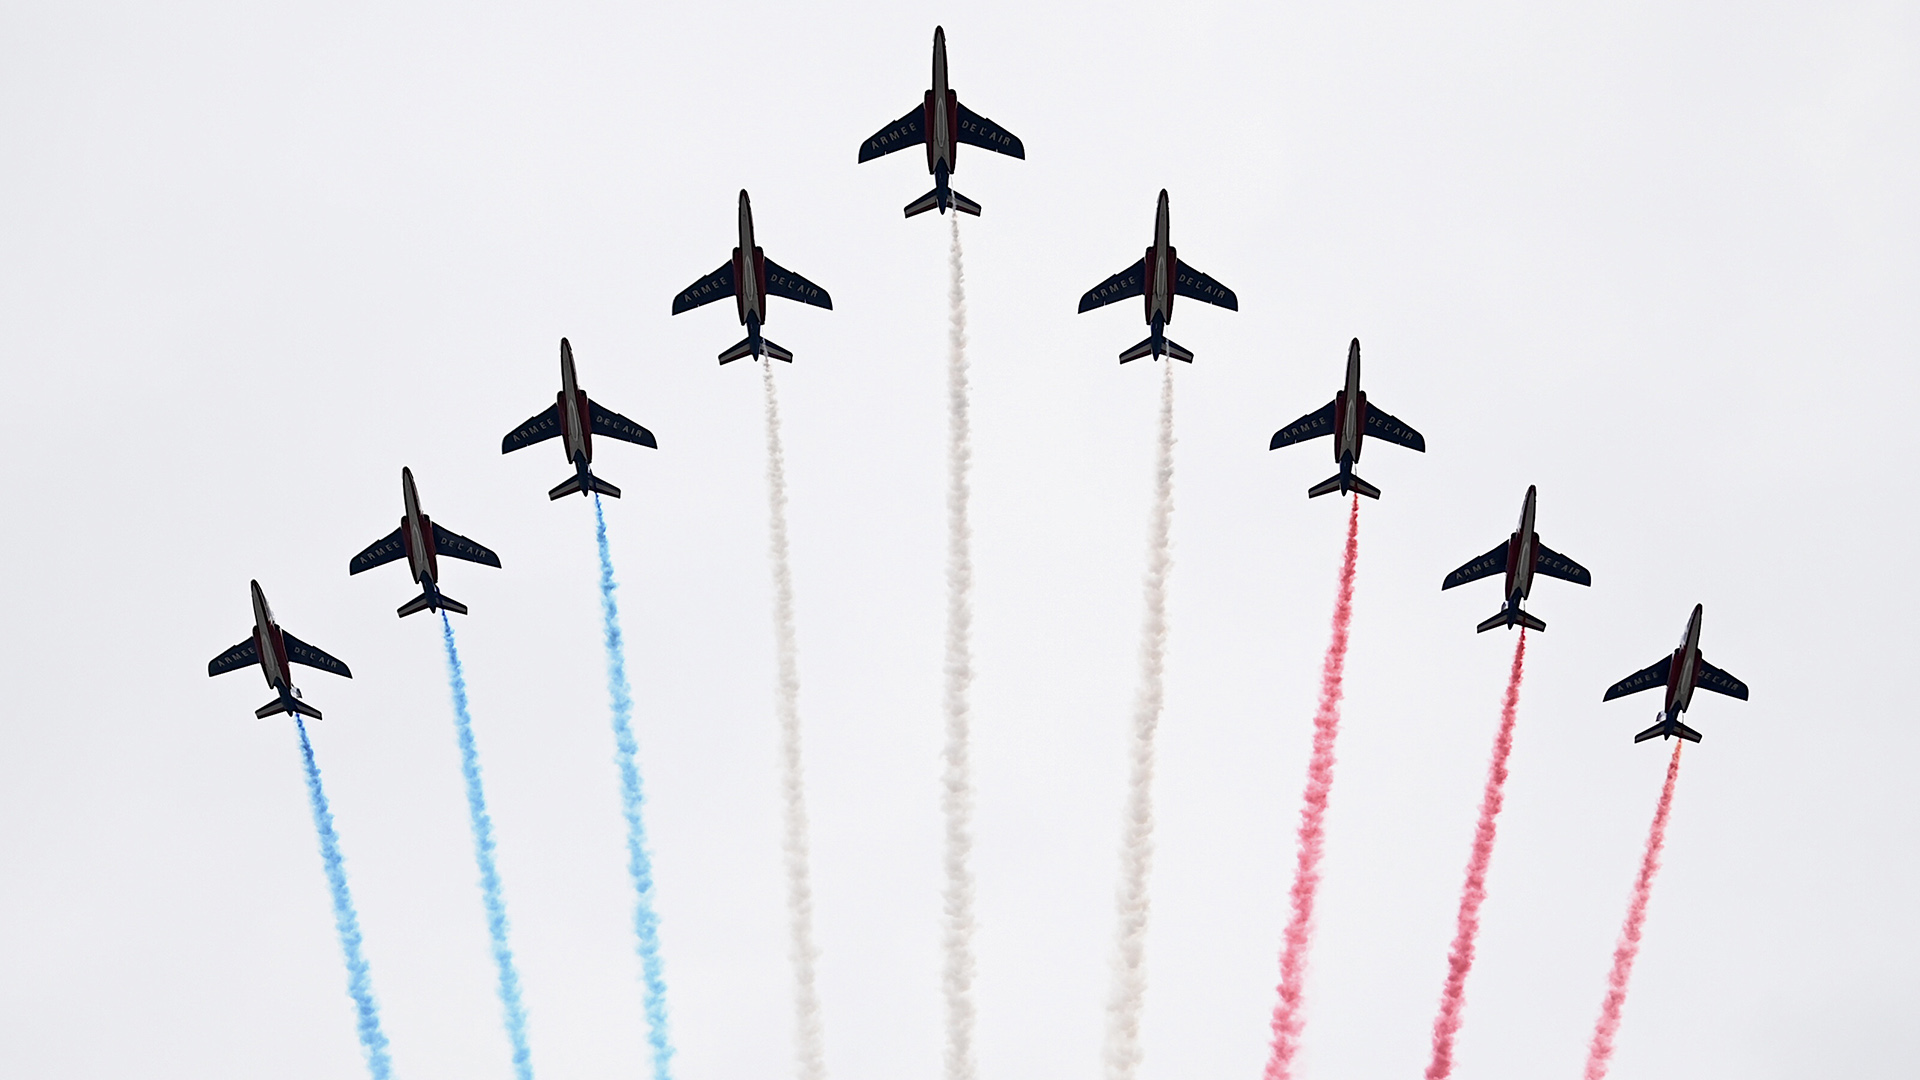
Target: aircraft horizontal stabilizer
1170,347
1668,729
286,705
423,602
572,486
1333,483
744,350
1520,618
931,201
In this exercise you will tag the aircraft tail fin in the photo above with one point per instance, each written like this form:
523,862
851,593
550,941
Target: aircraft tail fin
1668,727
1517,618
423,602
286,705
572,485
745,348
1342,482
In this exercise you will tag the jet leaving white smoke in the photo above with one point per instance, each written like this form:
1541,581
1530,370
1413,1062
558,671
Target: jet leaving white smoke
809,1052
956,797
1136,845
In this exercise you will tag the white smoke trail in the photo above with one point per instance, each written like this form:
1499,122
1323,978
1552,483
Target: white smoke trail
957,781
1136,846
809,1053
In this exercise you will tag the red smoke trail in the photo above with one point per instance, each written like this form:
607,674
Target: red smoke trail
1467,923
1287,1020
1600,1052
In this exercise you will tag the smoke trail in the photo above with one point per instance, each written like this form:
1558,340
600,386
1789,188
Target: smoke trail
1287,1019
957,782
646,924
346,920
809,1052
1136,846
1600,1052
1467,923
515,1012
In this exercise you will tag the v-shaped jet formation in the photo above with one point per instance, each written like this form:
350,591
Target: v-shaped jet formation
1349,419
1679,673
1521,556
941,123
576,419
1159,276
274,650
750,277
420,542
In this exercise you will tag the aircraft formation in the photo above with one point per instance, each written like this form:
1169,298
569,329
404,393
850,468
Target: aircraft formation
940,123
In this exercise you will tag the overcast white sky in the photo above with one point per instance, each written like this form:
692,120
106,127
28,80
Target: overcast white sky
1657,258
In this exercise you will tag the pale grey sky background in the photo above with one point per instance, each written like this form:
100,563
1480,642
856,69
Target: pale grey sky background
1657,258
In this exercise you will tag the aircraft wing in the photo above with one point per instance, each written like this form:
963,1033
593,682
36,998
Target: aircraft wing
1645,679
1712,678
1554,564
1311,426
1190,282
299,652
453,545
1381,425
977,130
614,426
384,550
909,130
539,429
1493,562
715,286
784,282
1127,283
241,655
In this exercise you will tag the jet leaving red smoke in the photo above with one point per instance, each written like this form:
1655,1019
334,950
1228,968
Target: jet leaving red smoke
1287,1019
1467,924
1600,1052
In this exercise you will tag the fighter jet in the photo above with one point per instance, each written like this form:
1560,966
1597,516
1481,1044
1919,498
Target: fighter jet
273,649
1160,276
1349,419
576,419
1680,673
750,284
941,123
1521,555
411,541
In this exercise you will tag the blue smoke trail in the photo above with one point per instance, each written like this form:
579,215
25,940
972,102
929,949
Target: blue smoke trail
516,1013
646,923
373,1041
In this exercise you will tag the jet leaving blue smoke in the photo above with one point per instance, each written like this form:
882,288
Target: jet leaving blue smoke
373,1041
646,924
516,1013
